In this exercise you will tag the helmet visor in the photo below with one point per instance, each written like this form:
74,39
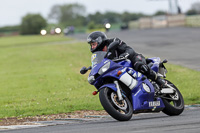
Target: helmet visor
98,40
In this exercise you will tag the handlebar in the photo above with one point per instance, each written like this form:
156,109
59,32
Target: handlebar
119,59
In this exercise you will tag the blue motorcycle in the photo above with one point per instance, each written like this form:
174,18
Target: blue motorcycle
124,91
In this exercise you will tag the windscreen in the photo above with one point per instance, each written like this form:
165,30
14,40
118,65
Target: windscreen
97,57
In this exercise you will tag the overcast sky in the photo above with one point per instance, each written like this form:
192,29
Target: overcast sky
11,11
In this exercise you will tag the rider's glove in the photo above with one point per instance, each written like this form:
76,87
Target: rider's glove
144,69
124,55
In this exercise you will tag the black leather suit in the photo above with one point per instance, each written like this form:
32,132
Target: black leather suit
138,60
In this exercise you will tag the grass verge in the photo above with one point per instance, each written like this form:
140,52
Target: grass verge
187,80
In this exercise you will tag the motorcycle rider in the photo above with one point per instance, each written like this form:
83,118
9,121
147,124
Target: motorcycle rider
99,42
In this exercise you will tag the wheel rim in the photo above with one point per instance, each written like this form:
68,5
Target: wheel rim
121,111
176,102
175,96
120,104
121,108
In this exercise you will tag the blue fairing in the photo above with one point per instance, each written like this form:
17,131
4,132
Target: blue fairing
156,62
111,86
125,63
96,67
141,98
111,73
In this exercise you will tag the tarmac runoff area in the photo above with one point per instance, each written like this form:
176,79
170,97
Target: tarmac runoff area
87,119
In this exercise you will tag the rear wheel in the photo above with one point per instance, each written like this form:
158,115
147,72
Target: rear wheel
119,110
174,105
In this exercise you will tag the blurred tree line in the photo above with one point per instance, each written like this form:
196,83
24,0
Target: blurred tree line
75,15
32,24
71,15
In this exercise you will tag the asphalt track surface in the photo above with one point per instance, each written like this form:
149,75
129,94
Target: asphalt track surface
187,122
178,45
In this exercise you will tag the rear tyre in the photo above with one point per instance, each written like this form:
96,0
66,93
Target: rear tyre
175,106
119,110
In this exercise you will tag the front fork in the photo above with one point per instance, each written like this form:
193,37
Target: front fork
119,94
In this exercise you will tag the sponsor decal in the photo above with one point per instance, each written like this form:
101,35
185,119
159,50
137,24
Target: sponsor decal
93,66
106,61
128,80
137,92
154,103
93,57
123,70
139,74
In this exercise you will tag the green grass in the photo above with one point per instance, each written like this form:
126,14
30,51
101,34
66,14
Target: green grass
44,79
37,79
187,81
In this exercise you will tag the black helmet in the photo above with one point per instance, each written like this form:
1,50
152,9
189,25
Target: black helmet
98,37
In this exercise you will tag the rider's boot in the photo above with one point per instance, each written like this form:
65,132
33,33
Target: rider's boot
153,76
160,81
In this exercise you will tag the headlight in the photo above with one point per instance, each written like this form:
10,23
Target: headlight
104,68
91,79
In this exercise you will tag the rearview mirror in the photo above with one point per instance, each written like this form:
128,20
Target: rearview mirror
84,69
165,61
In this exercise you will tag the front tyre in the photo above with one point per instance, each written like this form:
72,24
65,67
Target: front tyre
175,104
119,110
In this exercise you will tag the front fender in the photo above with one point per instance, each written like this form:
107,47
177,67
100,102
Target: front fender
110,85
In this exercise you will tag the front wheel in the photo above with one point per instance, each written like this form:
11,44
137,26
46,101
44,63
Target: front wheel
175,104
119,110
